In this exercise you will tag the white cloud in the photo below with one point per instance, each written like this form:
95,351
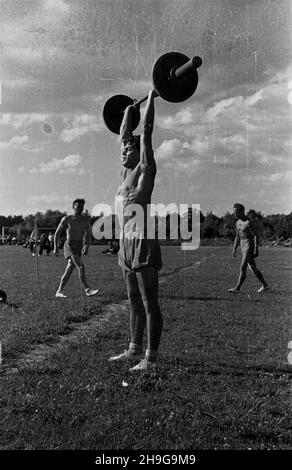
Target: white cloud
221,107
236,139
237,131
17,84
15,143
181,118
255,98
68,135
274,177
232,105
278,177
201,147
80,125
44,199
56,6
169,148
25,55
17,121
67,165
177,155
281,177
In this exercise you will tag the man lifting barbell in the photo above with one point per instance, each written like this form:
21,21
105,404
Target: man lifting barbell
139,257
175,79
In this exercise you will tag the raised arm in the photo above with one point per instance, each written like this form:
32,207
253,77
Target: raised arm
62,225
147,161
126,130
146,154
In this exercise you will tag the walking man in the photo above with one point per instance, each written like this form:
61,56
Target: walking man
249,246
76,226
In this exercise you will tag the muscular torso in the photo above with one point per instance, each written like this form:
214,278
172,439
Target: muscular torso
138,248
136,188
244,231
75,227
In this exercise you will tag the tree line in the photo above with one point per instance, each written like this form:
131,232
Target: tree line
269,228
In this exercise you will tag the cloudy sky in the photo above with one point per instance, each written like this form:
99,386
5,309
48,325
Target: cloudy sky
62,59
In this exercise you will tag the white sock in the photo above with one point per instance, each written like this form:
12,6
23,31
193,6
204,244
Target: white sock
135,348
151,355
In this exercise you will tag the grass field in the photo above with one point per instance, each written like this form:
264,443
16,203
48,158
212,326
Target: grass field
223,380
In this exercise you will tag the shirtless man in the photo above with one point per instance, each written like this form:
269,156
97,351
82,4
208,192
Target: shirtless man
249,247
76,226
139,257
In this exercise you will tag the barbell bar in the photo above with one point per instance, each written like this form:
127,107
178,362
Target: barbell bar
175,79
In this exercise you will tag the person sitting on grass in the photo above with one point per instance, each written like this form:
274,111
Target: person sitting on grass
249,248
44,244
76,226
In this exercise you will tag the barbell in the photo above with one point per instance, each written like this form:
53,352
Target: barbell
175,79
3,297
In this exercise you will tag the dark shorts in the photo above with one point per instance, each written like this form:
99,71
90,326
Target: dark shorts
72,248
136,254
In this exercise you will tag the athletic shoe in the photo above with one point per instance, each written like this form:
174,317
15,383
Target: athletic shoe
263,289
61,294
143,365
234,290
127,355
90,292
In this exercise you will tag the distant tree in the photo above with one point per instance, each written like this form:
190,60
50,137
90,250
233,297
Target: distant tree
10,220
28,222
227,229
270,227
211,226
282,227
257,221
50,219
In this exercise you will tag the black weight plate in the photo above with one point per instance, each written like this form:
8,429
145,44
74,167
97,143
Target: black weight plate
3,296
173,90
113,112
